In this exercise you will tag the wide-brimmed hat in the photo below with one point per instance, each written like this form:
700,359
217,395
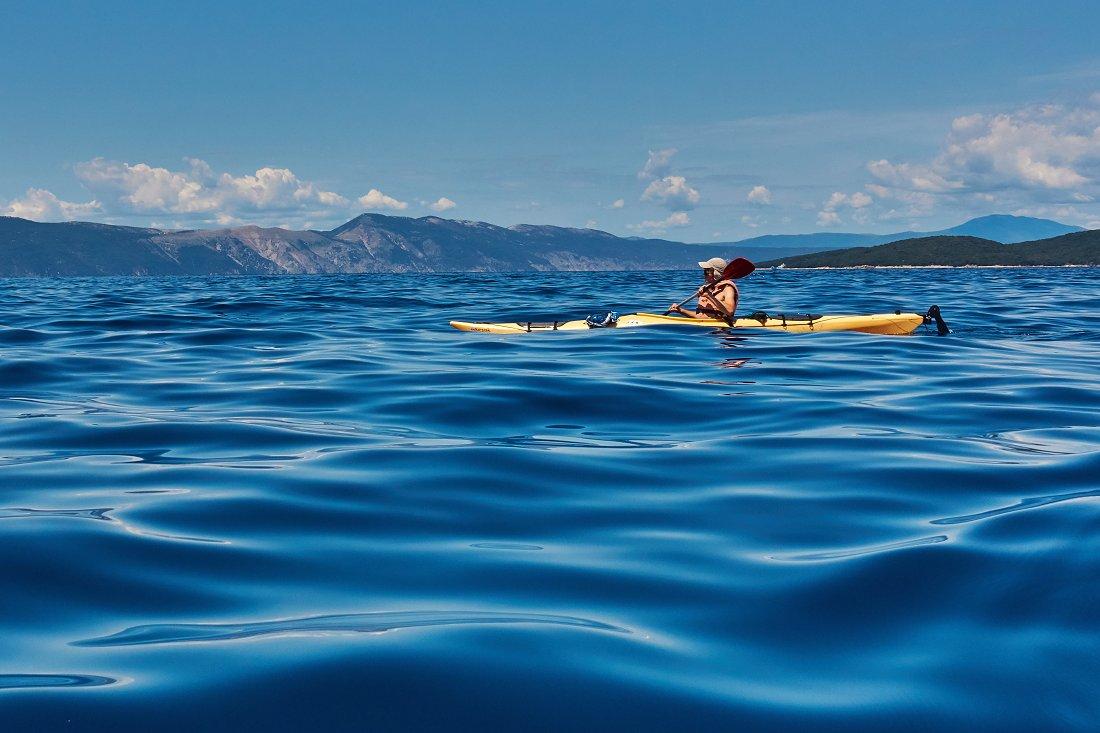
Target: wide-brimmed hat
714,263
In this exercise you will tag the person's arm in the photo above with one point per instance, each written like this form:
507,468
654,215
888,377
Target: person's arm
714,302
735,297
691,313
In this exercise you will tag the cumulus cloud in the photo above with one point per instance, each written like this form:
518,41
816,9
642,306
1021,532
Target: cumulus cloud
829,214
1047,146
859,200
201,170
375,200
759,195
751,222
656,226
1041,152
145,188
42,205
657,165
618,204
1062,212
1043,155
913,177
199,193
672,192
194,194
905,204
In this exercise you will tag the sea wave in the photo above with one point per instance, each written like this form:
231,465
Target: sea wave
219,497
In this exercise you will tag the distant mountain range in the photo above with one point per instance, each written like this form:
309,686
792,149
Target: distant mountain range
1002,228
367,243
1078,248
378,243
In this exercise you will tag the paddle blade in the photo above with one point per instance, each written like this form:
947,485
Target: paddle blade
737,269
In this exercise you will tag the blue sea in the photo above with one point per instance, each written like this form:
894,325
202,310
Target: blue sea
295,503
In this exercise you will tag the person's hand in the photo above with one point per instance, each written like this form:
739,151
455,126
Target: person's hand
674,308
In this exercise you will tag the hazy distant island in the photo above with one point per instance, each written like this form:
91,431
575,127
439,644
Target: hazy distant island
1003,228
379,243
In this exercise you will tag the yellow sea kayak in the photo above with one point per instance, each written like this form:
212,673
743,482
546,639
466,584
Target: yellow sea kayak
882,323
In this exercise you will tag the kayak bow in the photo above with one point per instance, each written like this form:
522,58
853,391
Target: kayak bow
895,324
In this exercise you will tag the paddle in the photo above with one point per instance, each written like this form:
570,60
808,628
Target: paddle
735,270
934,316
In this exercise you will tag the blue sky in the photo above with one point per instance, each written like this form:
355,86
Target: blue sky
693,121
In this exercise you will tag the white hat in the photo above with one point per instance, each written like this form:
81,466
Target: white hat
714,263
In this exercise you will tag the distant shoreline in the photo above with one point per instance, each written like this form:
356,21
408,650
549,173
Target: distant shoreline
376,243
412,274
931,267
1080,249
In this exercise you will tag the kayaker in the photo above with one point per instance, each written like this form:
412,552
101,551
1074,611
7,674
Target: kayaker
717,298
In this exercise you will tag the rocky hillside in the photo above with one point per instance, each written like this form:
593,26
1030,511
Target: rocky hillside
368,243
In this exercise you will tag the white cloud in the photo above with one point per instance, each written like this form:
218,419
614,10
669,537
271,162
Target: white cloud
915,204
375,200
913,177
759,195
142,187
656,226
657,165
42,205
1041,157
836,200
859,200
201,170
751,221
1037,153
672,192
829,216
591,224
329,198
443,204
618,204
1041,147
201,194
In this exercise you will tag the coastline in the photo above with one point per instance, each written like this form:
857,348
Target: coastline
932,267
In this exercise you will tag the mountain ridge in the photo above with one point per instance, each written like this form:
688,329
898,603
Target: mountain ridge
367,243
1003,228
1076,248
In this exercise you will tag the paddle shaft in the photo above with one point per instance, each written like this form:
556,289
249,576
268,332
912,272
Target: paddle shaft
693,296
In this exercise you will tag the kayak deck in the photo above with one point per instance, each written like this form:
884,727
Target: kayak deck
894,324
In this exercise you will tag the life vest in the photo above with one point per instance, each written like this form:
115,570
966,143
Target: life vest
711,292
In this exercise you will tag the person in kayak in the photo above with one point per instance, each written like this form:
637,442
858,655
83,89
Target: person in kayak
717,298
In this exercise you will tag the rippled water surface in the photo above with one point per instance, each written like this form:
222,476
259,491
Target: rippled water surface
305,502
